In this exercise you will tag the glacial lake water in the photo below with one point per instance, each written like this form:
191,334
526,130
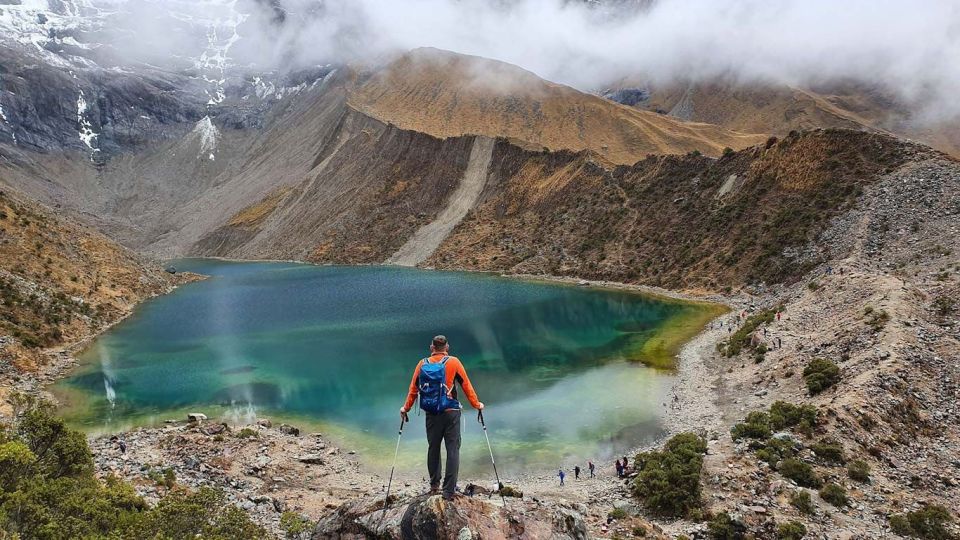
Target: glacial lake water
559,367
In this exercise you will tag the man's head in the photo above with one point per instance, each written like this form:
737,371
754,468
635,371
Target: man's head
439,344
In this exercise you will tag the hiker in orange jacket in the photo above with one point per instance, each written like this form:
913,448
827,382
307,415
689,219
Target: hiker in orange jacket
443,424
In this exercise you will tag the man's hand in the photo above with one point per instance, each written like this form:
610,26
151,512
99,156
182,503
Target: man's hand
480,406
403,414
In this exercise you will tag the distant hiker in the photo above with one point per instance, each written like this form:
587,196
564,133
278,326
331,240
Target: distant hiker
778,315
764,331
562,475
624,464
434,381
619,469
591,466
576,472
779,342
123,446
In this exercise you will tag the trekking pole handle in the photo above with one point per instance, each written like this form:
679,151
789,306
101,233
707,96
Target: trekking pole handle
480,418
403,420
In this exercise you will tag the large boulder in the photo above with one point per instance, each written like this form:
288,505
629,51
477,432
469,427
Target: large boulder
432,518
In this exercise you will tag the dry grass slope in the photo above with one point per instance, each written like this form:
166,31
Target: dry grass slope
446,95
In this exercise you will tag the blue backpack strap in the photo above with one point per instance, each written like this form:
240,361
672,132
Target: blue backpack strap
444,360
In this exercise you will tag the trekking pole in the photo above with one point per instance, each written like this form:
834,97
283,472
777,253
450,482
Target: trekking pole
386,500
490,448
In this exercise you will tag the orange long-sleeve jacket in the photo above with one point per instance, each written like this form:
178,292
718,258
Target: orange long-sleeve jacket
455,373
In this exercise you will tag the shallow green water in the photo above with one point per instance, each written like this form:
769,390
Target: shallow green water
335,347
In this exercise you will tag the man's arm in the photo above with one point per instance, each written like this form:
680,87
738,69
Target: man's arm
461,372
414,390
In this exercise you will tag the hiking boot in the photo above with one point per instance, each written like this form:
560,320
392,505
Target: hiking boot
434,490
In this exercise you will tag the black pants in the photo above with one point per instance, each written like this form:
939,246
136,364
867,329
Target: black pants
444,427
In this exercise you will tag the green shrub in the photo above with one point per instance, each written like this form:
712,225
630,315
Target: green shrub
775,449
48,490
820,374
668,481
800,472
829,451
859,470
930,522
785,415
834,494
727,152
723,527
791,530
944,306
247,433
874,318
802,502
295,526
618,513
741,338
755,426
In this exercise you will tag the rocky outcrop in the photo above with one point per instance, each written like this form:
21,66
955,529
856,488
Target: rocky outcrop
464,518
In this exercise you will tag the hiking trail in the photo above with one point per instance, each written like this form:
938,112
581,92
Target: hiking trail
428,238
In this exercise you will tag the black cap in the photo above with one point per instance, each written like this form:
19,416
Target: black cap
439,342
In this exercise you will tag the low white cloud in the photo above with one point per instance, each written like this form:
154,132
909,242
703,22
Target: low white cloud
909,48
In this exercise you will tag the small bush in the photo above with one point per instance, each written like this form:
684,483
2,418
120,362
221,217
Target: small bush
668,481
618,513
820,374
802,502
727,152
835,495
800,472
741,338
724,527
755,426
639,532
785,415
944,306
875,318
246,433
859,470
775,450
930,522
295,526
829,451
791,530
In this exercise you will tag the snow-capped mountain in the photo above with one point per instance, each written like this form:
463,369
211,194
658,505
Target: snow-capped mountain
101,75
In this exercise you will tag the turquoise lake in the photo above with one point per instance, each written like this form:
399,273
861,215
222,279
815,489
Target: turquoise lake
333,348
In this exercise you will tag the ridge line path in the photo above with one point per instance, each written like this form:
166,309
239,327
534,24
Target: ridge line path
428,238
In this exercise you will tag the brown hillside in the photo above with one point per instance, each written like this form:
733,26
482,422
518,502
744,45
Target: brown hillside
447,95
60,282
768,108
672,221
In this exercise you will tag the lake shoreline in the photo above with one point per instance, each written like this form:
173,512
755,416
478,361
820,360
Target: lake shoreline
691,380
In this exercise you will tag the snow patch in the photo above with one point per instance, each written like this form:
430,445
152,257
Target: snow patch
86,132
209,137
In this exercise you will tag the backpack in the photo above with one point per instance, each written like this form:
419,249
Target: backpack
432,383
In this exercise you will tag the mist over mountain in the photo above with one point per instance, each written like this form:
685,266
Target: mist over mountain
908,50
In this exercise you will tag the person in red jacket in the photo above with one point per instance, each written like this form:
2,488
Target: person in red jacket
443,426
